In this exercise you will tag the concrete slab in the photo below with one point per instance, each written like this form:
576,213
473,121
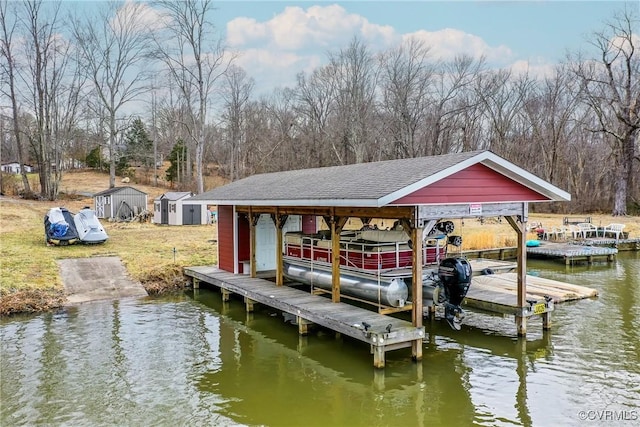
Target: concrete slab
97,278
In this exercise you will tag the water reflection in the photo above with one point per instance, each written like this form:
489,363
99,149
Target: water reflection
195,360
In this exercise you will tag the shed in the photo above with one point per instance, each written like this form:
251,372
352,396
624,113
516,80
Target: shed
254,212
14,168
120,203
173,208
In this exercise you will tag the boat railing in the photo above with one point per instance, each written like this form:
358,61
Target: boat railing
365,255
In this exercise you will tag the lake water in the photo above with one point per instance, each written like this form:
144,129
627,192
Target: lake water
193,360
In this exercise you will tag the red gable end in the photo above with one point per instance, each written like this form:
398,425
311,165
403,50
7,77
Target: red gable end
477,183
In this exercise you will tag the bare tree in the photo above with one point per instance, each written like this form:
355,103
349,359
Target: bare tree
315,105
195,61
406,77
51,82
9,72
449,99
236,94
356,79
611,88
114,52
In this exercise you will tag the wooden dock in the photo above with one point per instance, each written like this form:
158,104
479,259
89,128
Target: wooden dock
382,333
497,293
492,293
497,266
623,244
571,253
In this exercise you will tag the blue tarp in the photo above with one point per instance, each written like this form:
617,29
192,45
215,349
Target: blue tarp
59,229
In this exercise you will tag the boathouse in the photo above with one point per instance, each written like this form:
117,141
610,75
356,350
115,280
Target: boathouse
255,213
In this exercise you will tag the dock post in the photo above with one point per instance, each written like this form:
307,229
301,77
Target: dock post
196,283
226,295
521,325
378,356
519,224
432,311
546,321
249,304
303,325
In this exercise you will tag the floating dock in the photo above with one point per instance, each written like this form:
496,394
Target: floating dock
497,292
571,253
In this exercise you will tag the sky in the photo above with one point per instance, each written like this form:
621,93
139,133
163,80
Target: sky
278,39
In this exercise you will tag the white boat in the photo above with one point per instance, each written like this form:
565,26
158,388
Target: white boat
88,227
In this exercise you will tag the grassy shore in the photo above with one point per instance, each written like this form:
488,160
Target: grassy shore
153,254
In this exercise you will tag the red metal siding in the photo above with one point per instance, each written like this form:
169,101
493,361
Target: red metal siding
475,184
309,224
225,238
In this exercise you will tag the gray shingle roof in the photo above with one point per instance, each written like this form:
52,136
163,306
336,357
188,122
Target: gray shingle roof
116,190
363,181
174,195
365,184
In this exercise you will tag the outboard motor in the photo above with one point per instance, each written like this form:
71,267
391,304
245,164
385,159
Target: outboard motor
455,275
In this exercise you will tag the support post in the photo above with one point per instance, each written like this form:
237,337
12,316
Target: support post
253,221
226,294
378,356
546,321
416,348
249,303
416,287
196,283
336,228
304,325
519,224
279,221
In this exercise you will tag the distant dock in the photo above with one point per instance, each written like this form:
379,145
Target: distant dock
571,253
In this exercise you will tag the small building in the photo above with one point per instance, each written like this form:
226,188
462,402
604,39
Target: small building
173,208
120,203
14,167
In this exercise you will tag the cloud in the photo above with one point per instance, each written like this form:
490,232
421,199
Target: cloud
298,39
317,27
139,15
538,68
448,43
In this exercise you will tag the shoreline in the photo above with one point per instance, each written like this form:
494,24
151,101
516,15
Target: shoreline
35,301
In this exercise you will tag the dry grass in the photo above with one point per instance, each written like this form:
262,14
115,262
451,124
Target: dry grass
30,279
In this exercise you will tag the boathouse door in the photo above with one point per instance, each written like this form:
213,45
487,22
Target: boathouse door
266,240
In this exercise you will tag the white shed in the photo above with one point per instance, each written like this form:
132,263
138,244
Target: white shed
171,209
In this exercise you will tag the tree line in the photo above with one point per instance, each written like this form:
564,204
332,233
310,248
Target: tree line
577,127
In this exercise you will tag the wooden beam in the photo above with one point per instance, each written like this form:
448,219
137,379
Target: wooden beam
336,224
386,212
521,230
279,221
416,288
253,220
470,210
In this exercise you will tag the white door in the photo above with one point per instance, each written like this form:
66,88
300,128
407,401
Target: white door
265,244
266,240
100,206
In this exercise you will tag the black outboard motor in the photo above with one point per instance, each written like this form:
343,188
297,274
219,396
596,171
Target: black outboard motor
455,275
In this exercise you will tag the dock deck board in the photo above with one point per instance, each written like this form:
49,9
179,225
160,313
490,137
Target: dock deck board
497,292
571,252
340,317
